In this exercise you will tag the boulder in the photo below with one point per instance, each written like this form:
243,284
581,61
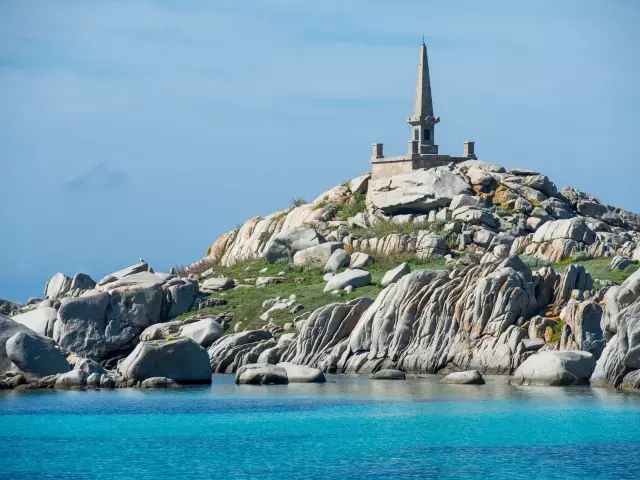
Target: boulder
72,379
100,324
317,256
353,277
533,344
41,320
555,368
302,374
261,374
360,260
88,365
287,243
218,283
182,360
470,377
131,270
158,382
360,184
57,286
8,328
418,190
430,245
204,332
7,307
392,276
620,262
464,200
35,356
82,282
339,259
475,216
574,229
181,298
264,281
389,374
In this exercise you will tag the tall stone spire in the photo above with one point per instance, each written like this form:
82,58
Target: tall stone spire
423,104
422,121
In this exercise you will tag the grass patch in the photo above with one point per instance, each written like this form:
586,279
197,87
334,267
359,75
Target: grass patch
600,269
383,228
353,209
245,304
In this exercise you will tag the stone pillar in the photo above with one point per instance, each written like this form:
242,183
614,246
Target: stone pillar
414,147
469,150
377,150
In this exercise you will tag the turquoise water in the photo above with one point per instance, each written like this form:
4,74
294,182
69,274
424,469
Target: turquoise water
350,428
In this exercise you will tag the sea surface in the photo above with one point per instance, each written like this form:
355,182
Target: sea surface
348,428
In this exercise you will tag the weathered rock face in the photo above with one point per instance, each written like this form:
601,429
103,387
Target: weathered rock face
261,374
323,337
35,356
583,322
427,321
232,351
621,328
58,286
418,190
555,369
286,244
102,323
41,320
183,361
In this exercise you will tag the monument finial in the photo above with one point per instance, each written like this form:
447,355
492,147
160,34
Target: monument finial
423,38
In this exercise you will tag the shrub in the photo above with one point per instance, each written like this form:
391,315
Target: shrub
265,236
198,267
582,256
353,209
297,202
534,263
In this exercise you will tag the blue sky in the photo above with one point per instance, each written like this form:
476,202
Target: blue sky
145,129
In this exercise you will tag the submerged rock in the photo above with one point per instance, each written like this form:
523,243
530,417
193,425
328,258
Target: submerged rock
389,374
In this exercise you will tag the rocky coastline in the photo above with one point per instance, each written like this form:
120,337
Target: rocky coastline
468,269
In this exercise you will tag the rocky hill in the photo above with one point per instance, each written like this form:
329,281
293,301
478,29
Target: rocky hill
462,267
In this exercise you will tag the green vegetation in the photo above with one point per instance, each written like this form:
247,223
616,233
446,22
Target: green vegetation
297,202
599,268
245,304
265,236
557,330
386,227
534,263
353,209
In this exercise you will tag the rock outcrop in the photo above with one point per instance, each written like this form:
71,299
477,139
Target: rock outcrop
555,369
182,360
